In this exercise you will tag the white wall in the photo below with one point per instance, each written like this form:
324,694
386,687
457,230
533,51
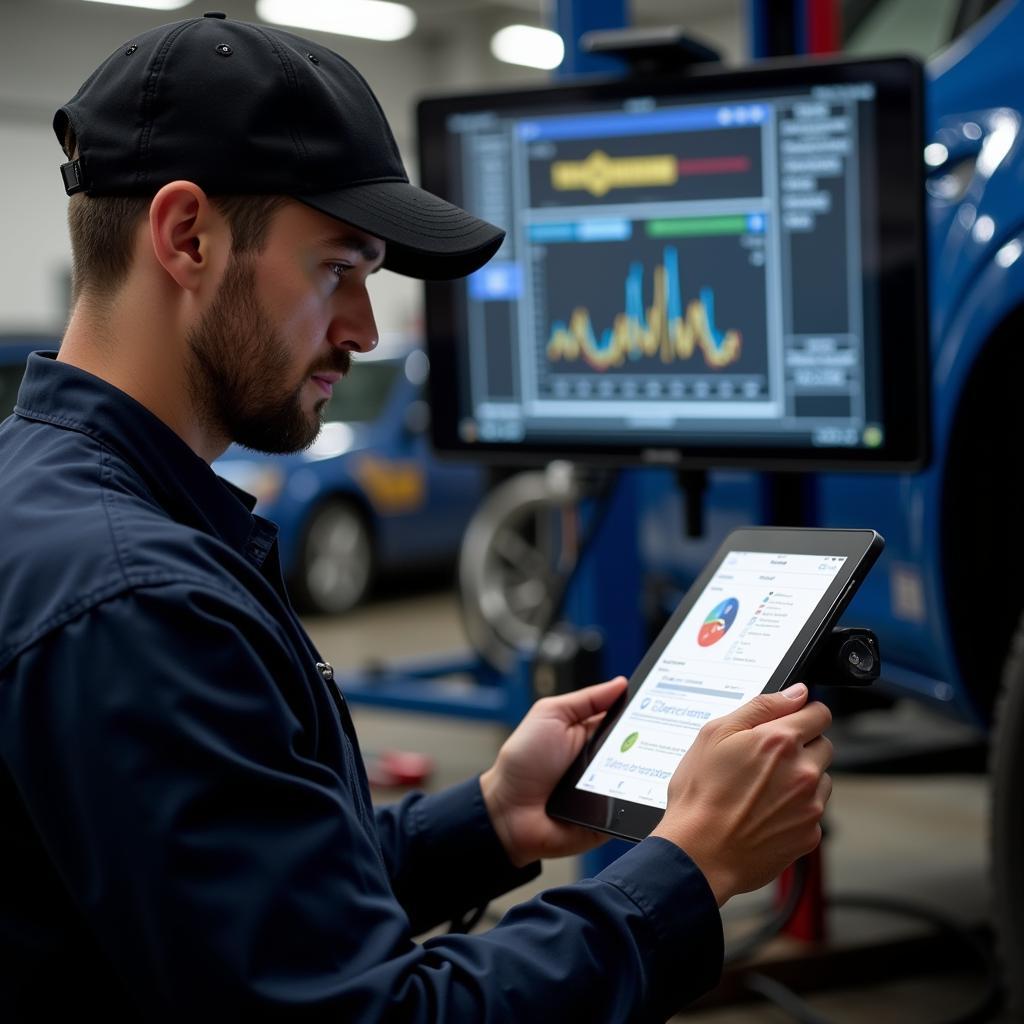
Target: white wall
48,47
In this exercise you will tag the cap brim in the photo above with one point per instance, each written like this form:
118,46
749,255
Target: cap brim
426,237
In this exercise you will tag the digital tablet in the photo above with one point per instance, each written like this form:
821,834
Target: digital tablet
748,625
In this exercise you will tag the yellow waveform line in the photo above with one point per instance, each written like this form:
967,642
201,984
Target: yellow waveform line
629,337
599,173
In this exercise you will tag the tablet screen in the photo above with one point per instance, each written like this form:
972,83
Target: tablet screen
724,652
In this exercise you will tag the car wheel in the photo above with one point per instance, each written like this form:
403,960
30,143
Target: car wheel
336,562
508,567
1007,778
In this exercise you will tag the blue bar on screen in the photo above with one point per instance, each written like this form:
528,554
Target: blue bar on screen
599,230
614,123
552,232
497,282
604,230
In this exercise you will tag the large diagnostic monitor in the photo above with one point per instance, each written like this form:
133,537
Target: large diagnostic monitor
704,269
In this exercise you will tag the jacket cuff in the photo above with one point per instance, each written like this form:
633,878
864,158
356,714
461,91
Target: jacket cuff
457,828
686,926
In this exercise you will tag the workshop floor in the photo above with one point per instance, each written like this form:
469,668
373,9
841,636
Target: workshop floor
918,839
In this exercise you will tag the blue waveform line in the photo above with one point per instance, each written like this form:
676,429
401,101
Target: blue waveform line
636,311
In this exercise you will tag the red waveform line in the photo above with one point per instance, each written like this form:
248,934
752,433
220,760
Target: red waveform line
715,165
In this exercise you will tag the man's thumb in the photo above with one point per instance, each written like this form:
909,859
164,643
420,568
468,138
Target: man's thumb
766,707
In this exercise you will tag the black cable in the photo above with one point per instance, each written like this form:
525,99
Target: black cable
465,924
983,956
786,999
767,931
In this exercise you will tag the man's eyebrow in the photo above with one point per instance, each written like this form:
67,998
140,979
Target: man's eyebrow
370,252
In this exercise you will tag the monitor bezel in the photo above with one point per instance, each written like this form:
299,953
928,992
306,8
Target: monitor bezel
906,399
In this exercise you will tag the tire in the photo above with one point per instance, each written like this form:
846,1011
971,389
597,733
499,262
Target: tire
336,560
1007,819
508,568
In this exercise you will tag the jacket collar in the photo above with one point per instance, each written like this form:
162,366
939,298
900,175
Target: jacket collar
178,479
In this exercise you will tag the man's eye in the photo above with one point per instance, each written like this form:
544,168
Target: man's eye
338,269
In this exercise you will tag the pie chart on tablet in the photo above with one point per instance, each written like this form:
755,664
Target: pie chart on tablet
717,624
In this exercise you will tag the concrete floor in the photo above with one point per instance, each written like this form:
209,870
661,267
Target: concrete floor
921,839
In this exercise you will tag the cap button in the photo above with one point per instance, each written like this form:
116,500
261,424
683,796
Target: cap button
215,14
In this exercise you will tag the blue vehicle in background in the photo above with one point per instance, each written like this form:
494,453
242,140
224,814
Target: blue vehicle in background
367,497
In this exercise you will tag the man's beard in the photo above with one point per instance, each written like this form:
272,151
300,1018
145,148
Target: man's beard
239,365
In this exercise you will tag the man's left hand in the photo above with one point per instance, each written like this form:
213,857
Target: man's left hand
529,765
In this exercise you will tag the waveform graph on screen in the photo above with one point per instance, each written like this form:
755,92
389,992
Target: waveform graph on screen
663,330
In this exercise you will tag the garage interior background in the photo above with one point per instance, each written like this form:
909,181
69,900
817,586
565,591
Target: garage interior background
47,47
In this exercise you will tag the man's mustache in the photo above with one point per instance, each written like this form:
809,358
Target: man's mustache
340,362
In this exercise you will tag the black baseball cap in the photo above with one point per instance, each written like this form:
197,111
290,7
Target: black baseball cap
244,109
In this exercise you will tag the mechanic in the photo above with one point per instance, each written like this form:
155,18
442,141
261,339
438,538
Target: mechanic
186,819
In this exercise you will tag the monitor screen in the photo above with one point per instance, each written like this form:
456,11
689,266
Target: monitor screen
712,269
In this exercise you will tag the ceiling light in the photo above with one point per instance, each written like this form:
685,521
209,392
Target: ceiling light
367,19
152,5
531,47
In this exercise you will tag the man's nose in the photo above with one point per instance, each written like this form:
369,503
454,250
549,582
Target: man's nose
353,327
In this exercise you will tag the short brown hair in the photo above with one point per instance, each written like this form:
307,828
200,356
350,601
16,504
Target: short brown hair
102,230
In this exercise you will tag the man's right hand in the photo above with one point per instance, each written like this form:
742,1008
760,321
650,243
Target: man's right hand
747,799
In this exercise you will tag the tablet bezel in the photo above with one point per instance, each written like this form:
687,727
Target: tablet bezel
629,820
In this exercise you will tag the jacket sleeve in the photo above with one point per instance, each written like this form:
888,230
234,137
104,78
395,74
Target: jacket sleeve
443,855
163,748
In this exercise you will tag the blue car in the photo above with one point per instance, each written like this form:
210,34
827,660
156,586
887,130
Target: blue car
368,497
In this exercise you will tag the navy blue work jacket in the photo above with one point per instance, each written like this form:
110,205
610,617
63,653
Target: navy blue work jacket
185,819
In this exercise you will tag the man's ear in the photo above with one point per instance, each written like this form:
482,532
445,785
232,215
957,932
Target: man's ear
190,239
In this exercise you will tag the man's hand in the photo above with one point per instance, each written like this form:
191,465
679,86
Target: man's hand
529,765
747,799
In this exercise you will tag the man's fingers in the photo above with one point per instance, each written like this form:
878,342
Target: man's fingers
810,721
824,790
591,700
765,707
820,752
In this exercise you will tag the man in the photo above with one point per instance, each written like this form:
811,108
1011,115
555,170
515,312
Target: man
186,819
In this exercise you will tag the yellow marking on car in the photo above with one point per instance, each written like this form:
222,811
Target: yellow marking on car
393,487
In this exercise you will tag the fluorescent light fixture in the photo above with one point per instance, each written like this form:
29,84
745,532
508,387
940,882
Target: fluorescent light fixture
531,47
366,19
152,5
